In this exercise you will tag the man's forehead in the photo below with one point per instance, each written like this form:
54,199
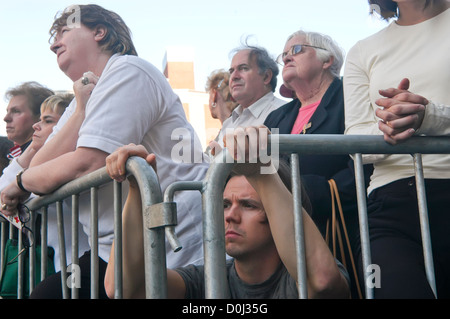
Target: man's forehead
239,187
17,101
241,57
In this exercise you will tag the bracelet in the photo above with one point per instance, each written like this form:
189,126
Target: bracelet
19,181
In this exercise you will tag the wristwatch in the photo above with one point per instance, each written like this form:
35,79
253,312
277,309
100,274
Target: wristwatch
19,181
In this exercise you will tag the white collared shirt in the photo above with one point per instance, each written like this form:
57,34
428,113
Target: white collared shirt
253,115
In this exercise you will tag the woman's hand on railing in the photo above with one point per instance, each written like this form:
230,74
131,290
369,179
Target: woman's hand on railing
401,114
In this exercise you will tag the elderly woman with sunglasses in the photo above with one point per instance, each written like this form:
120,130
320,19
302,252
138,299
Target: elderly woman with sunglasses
311,74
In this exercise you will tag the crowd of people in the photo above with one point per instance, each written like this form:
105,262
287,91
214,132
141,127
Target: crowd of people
393,85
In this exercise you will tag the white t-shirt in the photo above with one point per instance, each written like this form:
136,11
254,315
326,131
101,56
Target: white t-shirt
418,52
253,115
133,103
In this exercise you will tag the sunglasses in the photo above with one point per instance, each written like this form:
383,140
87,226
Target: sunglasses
293,51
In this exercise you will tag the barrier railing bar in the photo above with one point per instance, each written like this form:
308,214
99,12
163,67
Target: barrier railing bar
298,226
118,256
424,224
94,243
361,195
77,186
364,144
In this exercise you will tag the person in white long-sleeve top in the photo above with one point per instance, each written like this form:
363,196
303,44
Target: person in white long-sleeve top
396,86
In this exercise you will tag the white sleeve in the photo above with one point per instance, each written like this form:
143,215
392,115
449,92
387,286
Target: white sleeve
360,118
9,173
120,110
360,115
436,121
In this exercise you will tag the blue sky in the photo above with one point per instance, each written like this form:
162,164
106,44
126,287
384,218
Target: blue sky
211,28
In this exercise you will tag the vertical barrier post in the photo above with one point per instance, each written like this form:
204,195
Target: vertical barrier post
94,243
118,287
21,267
424,222
62,248
44,247
299,230
363,221
75,240
2,244
154,239
32,255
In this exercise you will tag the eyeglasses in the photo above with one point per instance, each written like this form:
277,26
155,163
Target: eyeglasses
220,83
27,233
294,50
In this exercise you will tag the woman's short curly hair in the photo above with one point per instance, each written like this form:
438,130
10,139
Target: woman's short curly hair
219,80
118,37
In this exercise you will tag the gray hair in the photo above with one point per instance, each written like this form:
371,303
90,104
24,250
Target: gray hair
332,49
263,60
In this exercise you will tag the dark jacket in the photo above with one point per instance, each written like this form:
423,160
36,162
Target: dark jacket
316,170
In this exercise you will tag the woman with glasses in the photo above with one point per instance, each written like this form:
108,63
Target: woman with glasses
397,86
311,66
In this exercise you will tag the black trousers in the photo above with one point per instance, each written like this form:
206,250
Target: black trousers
50,288
395,239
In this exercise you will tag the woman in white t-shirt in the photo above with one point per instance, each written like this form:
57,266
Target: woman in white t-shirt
125,100
396,85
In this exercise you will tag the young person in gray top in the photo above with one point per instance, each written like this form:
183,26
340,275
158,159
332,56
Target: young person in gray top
259,235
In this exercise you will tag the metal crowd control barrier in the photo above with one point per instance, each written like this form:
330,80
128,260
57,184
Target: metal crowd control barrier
150,193
159,217
215,278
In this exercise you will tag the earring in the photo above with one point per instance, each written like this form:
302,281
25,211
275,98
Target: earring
214,104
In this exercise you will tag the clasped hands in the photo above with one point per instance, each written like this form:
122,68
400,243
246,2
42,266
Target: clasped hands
401,112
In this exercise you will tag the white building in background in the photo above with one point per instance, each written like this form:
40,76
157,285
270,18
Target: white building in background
178,66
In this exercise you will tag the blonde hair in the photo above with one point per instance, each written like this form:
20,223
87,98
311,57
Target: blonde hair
218,80
57,103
